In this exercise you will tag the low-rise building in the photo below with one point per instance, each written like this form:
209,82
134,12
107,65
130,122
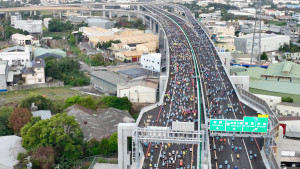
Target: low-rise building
34,72
14,18
144,91
31,26
107,81
17,53
20,39
42,53
149,47
106,24
10,147
95,31
151,61
288,109
129,56
292,31
3,75
269,42
272,101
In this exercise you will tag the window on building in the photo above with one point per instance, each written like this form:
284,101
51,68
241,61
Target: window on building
38,68
152,61
157,62
271,100
136,91
292,112
26,60
40,80
22,60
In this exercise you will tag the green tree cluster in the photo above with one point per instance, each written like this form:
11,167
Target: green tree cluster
121,103
5,113
66,69
57,25
87,102
289,48
7,30
10,4
137,24
264,56
103,147
287,99
61,132
106,45
41,102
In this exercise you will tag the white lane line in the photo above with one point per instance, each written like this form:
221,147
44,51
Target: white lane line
231,158
247,154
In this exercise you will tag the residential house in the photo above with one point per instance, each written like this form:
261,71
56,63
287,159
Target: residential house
34,73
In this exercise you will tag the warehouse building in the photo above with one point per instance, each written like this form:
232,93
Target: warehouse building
95,31
19,39
31,26
102,23
269,42
107,81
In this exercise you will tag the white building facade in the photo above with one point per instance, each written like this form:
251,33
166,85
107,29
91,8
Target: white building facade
151,61
31,26
288,109
20,39
138,92
272,101
269,42
14,54
14,18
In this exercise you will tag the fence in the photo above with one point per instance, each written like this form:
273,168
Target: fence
34,86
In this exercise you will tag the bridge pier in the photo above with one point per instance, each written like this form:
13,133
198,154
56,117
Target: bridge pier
144,20
34,13
110,15
103,13
90,13
30,13
60,14
129,19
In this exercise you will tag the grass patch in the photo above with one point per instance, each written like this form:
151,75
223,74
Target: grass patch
53,93
277,23
295,97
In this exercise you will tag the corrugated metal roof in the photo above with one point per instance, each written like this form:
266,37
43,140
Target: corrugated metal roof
41,51
253,72
110,77
276,86
285,69
44,114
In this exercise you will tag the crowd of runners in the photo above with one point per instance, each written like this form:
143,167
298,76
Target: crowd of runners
180,100
180,103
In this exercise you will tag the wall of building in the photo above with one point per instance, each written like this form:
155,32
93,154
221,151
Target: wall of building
38,77
286,110
24,57
150,62
34,27
138,94
103,85
272,101
242,81
3,85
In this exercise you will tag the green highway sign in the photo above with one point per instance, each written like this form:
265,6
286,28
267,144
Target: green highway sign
248,124
255,124
234,125
217,125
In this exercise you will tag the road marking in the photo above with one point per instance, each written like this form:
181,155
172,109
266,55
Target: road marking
247,154
231,158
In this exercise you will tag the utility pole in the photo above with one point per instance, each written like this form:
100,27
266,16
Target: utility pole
256,40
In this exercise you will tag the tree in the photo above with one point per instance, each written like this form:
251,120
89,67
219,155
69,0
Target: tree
43,157
41,102
61,132
57,25
121,103
98,60
19,118
72,40
113,143
5,113
35,2
287,99
264,56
